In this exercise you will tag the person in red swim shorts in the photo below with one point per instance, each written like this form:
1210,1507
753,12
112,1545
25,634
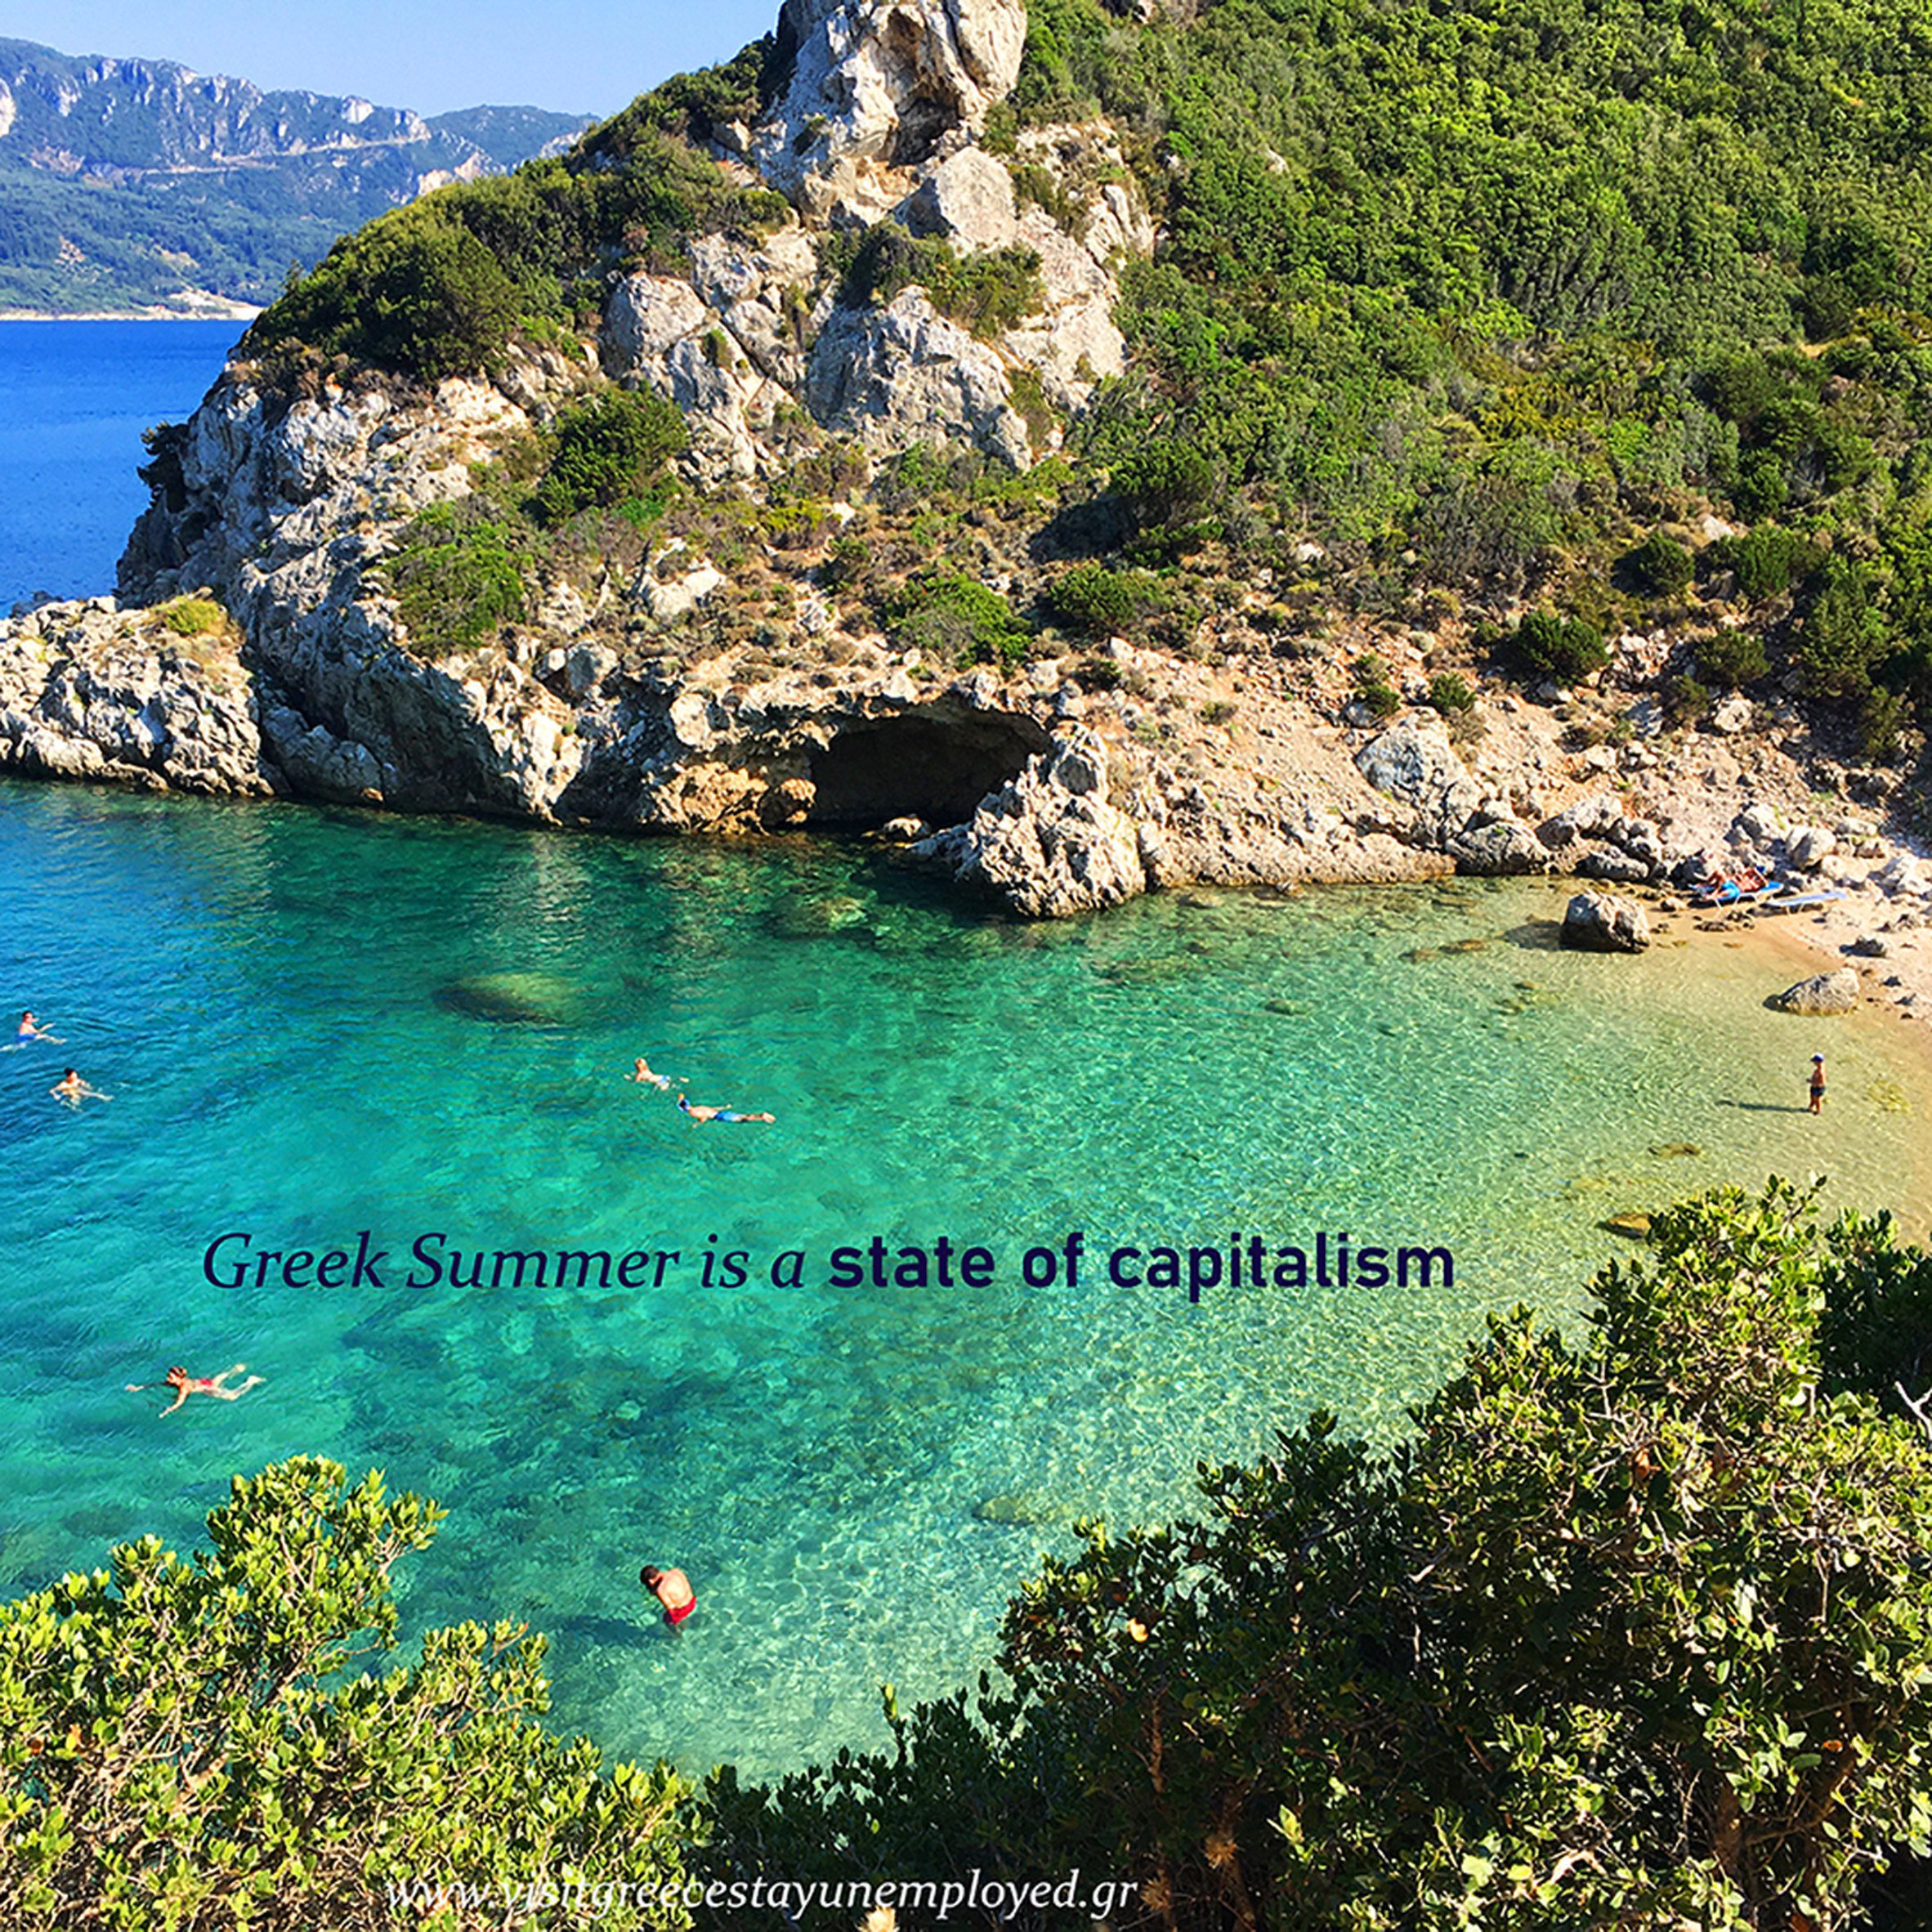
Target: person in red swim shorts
672,1588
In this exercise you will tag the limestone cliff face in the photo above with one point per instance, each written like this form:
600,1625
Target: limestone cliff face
893,82
282,510
611,702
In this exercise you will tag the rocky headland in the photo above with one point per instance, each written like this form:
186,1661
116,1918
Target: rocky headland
742,662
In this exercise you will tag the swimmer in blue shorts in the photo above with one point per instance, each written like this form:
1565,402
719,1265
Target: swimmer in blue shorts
645,1076
729,1116
30,1028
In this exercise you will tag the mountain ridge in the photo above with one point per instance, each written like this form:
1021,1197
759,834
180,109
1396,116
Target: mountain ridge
130,185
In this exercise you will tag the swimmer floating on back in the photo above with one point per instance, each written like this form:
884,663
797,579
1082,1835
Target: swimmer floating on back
730,1115
71,1091
30,1028
185,1385
644,1076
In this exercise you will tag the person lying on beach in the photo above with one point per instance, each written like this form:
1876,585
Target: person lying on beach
645,1076
71,1089
185,1385
730,1115
30,1028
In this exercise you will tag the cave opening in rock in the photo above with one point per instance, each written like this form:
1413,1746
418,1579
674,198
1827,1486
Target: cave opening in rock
925,767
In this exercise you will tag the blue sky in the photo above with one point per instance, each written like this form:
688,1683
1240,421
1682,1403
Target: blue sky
431,55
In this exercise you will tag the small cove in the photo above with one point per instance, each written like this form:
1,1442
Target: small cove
317,1022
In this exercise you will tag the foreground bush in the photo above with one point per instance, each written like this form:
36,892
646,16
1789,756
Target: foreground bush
1636,1632
174,1756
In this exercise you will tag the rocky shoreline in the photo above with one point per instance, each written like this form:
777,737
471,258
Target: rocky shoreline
1060,807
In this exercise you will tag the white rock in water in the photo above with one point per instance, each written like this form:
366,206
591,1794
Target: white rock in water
1605,923
1826,993
1049,843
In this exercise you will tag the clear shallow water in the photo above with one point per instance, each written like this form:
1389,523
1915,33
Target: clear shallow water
267,992
74,397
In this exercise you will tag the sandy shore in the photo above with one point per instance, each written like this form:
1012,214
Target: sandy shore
1881,931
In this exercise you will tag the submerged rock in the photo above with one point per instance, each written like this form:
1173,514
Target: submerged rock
816,918
511,998
1024,1512
1824,993
1634,1226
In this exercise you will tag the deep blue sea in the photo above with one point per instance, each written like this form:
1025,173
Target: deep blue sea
314,1024
74,397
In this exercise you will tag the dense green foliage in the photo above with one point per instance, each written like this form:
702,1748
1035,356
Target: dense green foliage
1503,287
1636,1631
192,617
957,620
987,291
207,1743
456,579
435,289
1732,658
1561,647
1093,600
607,450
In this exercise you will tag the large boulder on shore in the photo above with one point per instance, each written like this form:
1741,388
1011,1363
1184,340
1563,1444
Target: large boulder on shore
1605,923
1502,848
1413,760
1822,994
1049,844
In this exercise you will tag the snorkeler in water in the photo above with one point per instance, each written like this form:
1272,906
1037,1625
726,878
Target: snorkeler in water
730,1115
185,1385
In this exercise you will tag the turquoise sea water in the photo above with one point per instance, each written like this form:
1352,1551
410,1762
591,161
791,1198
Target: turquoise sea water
314,1023
74,397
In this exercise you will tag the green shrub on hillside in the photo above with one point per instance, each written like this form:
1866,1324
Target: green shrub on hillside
1767,561
1633,1631
1660,566
607,450
415,293
1093,600
1564,648
957,620
1165,485
1732,658
455,579
192,617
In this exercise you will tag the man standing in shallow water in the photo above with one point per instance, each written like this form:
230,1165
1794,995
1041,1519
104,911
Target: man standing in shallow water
673,1589
1818,1083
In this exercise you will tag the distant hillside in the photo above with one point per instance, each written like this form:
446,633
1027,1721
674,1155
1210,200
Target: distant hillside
129,185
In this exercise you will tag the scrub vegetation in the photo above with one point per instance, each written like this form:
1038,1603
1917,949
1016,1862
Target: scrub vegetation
1499,305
